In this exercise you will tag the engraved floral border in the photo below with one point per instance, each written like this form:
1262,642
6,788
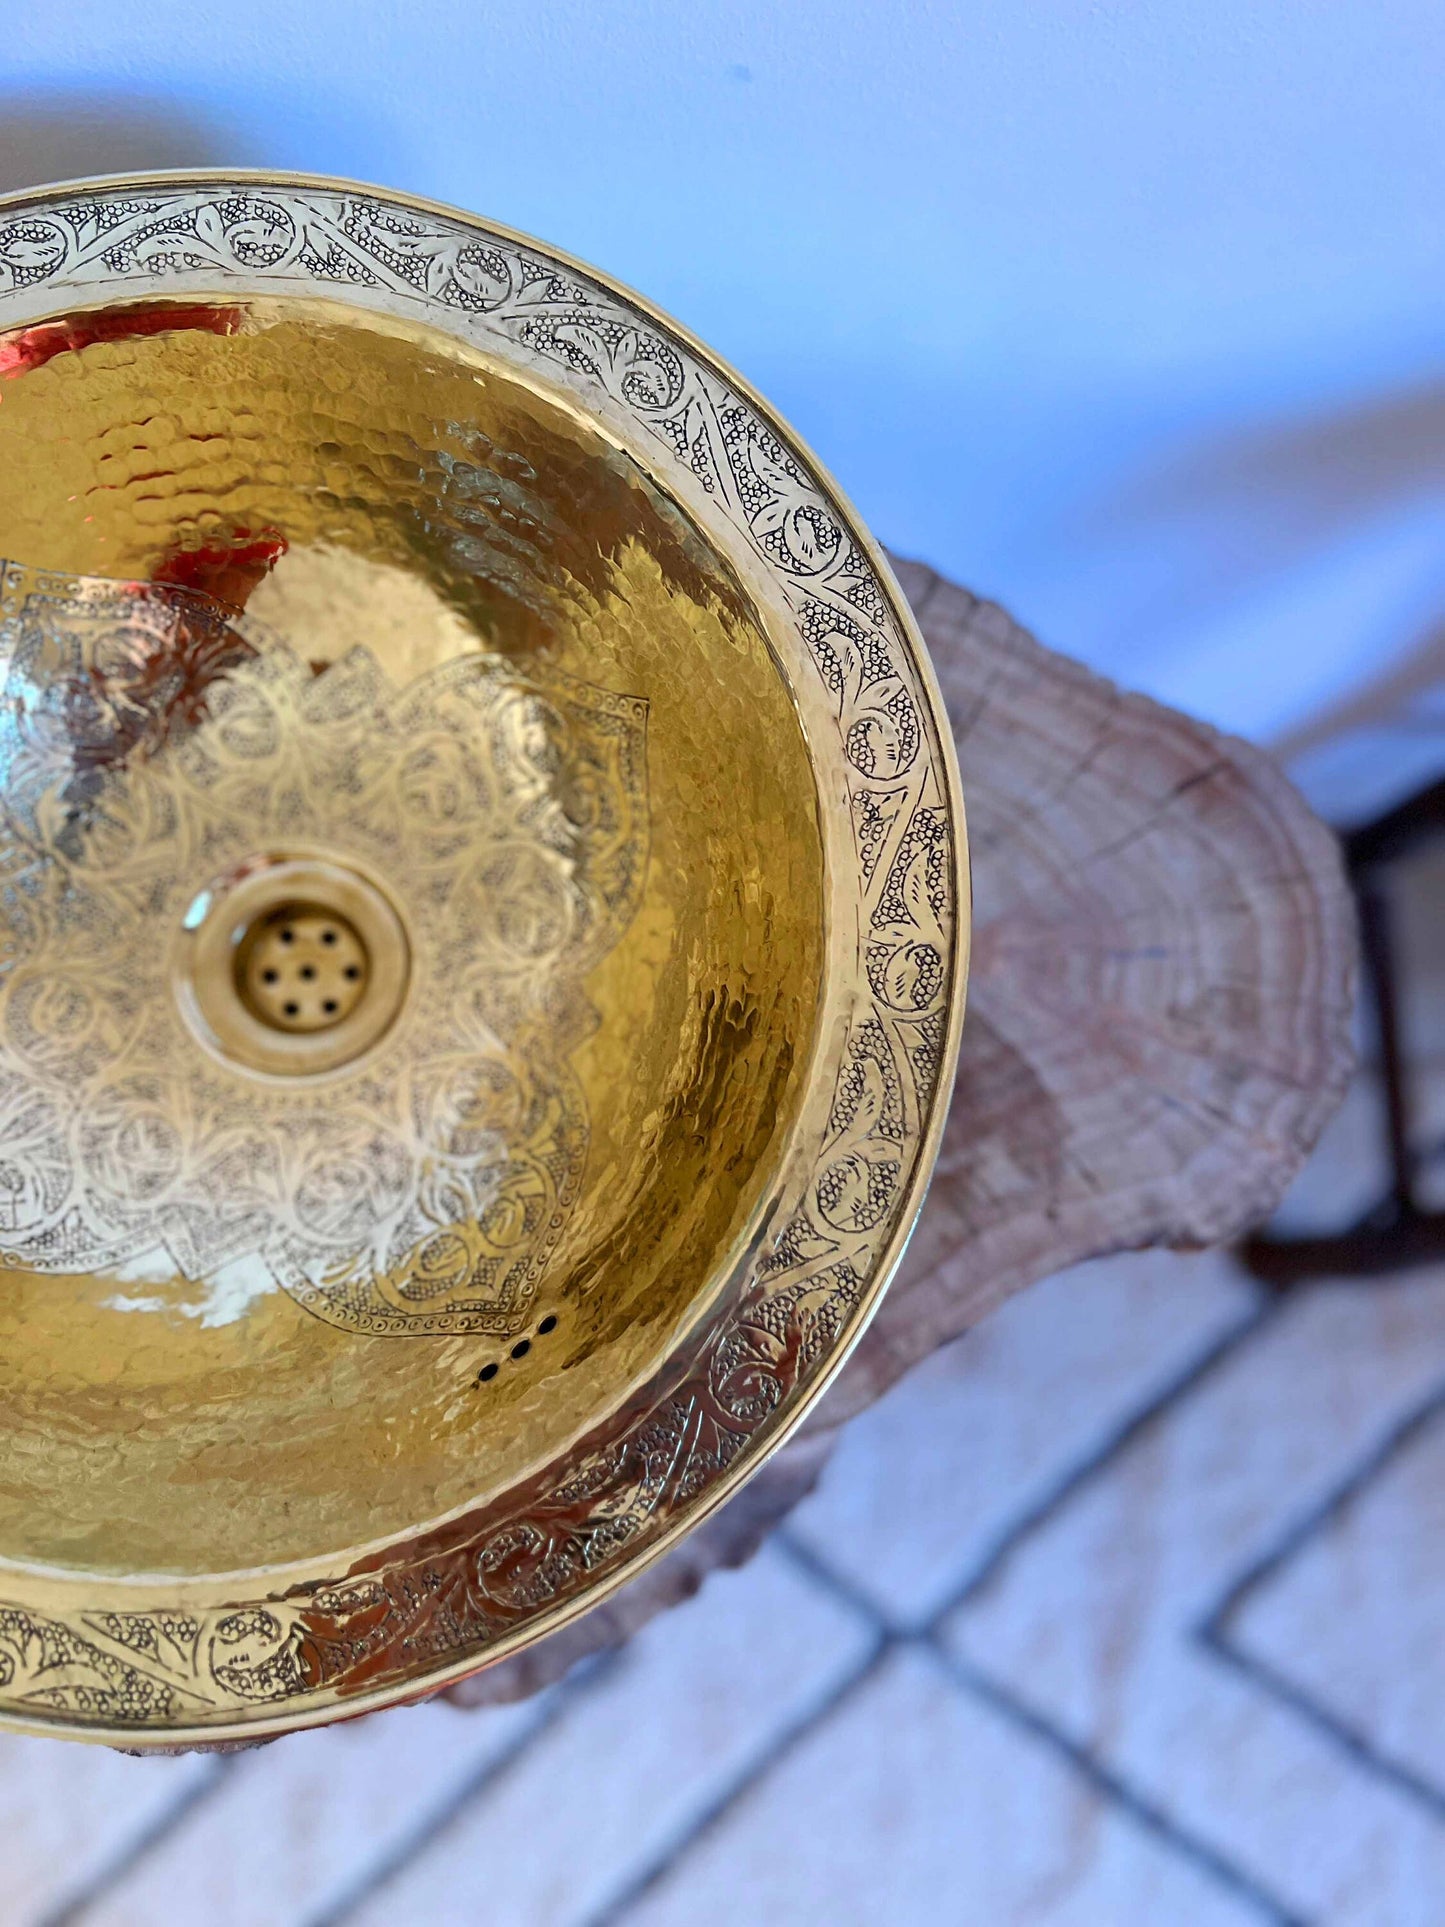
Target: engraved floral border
439,1603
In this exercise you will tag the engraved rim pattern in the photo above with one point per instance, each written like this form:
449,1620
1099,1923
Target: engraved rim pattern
163,1663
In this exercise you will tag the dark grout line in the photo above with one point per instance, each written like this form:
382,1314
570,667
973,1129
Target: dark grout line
431,1826
70,1910
1038,1513
1108,1785
813,1568
612,1913
1083,1471
1215,1632
1101,1780
1349,1739
782,1742
1376,1460
573,1687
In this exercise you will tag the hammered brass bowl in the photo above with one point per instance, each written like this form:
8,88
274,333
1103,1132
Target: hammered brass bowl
482,934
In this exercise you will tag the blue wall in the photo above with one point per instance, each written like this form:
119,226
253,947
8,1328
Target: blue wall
1132,315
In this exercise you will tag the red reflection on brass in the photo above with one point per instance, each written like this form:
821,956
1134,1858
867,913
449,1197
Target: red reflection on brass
227,571
29,348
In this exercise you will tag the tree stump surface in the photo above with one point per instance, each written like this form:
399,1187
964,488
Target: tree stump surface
1158,1028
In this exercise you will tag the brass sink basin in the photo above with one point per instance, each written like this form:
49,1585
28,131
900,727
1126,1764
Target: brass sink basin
482,935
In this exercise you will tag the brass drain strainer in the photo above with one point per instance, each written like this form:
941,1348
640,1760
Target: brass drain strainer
292,966
302,968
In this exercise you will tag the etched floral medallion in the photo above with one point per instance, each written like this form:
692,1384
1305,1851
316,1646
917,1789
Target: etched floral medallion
423,1192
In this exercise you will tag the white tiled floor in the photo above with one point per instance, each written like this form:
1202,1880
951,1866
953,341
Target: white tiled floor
1088,1624
332,1809
686,1714
1128,1611
46,1786
1350,1618
922,1488
918,1803
1092,1620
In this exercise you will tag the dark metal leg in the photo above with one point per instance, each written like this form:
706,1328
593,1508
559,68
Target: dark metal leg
1378,954
1396,1233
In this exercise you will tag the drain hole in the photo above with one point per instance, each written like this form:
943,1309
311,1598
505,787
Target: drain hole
302,968
519,1350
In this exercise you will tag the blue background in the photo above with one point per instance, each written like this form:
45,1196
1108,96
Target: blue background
1129,315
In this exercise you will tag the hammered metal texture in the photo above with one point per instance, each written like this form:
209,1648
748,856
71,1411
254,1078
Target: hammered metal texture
346,529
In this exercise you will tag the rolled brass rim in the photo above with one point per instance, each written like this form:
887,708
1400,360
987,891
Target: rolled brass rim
166,1660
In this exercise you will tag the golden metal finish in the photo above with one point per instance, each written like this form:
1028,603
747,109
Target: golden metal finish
482,931
292,966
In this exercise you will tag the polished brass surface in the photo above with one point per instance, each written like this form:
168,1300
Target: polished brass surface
480,946
397,691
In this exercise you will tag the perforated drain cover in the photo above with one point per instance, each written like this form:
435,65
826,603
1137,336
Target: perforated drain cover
292,966
302,967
